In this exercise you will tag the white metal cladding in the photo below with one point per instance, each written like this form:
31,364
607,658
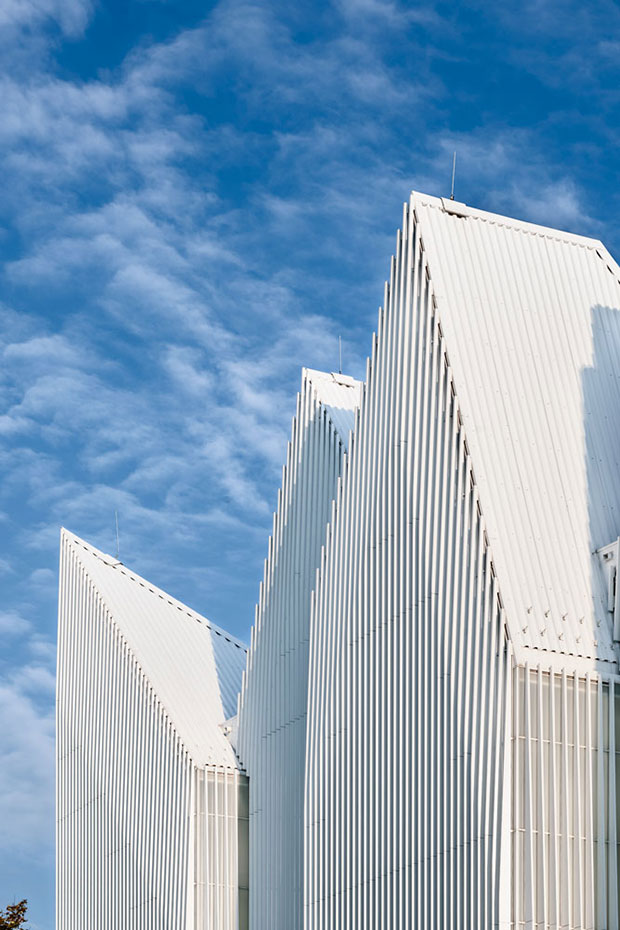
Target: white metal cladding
220,850
175,647
406,817
123,776
272,717
429,715
565,786
139,845
532,319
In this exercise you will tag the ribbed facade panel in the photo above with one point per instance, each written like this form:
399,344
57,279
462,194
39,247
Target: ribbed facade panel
272,718
148,838
410,668
532,319
565,791
124,777
428,726
220,846
194,667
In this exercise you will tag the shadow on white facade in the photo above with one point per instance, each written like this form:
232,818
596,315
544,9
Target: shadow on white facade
425,730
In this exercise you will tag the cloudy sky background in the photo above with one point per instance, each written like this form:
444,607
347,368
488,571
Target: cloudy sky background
198,199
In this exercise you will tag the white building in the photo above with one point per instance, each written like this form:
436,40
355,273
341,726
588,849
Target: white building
428,716
274,696
151,802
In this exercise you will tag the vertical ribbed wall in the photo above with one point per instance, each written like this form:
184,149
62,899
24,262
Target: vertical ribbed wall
123,777
220,849
146,839
272,717
409,663
566,778
405,771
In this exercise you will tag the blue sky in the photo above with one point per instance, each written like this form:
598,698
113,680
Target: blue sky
197,200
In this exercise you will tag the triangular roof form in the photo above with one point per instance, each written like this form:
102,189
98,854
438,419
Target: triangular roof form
340,396
531,318
194,667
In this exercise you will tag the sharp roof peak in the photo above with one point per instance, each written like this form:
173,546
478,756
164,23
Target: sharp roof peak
339,395
114,563
531,320
457,209
193,668
333,377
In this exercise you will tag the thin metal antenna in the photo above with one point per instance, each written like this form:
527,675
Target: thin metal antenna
340,355
117,546
453,173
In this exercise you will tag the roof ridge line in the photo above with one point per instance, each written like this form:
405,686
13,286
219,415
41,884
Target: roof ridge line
153,589
503,221
116,624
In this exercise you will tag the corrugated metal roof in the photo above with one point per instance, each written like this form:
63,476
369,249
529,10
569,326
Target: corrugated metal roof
194,667
532,320
340,395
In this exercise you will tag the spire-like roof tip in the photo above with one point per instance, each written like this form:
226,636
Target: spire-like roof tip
194,667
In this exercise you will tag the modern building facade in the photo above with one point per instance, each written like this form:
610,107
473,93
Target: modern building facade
151,803
272,716
428,722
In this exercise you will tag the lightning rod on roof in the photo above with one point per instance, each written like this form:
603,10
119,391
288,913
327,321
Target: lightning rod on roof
116,519
453,173
339,355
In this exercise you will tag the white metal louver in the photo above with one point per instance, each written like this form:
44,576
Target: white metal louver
531,318
462,748
429,716
272,716
150,799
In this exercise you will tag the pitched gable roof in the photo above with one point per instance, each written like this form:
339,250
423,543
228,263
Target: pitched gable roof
194,667
532,322
339,395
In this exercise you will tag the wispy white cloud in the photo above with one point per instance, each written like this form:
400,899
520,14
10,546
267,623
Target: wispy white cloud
12,623
27,686
27,771
44,579
390,14
185,231
70,15
529,188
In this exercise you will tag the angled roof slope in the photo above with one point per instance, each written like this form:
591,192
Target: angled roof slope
273,702
532,321
194,667
340,395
